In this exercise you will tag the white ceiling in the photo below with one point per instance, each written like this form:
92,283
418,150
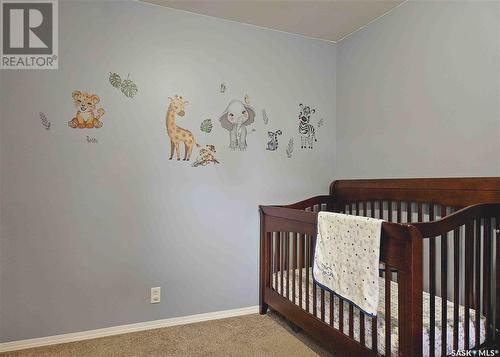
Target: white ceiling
329,20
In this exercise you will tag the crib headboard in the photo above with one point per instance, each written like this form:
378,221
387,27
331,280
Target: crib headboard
455,192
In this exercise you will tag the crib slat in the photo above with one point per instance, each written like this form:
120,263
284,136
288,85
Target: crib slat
497,264
282,258
287,252
387,310
372,206
272,266
294,265
351,321
477,280
381,209
332,304
361,327
398,207
322,294
432,287
469,232
364,209
444,288
341,315
456,285
374,334
408,211
487,276
314,286
308,257
277,253
389,203
301,265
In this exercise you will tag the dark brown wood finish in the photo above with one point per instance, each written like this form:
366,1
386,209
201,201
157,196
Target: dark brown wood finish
471,200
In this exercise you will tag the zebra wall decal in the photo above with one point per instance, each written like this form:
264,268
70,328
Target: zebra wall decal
306,130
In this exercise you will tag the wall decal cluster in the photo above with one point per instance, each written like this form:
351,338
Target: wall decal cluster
127,86
238,119
44,120
87,114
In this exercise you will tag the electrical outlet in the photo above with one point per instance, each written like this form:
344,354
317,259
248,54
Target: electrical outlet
155,295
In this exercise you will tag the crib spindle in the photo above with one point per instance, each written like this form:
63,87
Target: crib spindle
456,285
294,264
332,304
398,214
387,310
351,321
374,334
444,287
469,231
497,264
308,264
477,280
408,212
282,259
322,296
487,276
301,265
314,286
287,251
432,286
361,327
277,260
389,207
341,315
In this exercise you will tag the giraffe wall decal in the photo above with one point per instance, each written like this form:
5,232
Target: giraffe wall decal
177,134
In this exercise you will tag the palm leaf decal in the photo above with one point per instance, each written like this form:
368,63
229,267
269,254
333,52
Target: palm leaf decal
289,149
129,88
115,80
206,126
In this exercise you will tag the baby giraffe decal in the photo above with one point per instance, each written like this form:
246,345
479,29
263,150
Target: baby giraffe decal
177,134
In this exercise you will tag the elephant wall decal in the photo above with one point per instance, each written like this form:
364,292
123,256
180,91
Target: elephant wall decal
235,119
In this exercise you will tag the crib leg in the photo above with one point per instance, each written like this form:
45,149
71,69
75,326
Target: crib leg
263,308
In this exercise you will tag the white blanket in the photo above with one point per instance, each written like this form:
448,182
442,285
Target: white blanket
346,258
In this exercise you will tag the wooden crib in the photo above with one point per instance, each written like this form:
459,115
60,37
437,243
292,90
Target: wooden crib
440,267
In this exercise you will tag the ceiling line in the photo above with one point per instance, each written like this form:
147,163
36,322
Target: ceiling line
238,22
372,21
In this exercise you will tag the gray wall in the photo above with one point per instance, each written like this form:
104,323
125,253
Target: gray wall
88,229
418,93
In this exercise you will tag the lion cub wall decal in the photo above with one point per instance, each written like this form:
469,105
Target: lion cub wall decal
87,116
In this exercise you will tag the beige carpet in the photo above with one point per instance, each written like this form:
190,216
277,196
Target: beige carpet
251,335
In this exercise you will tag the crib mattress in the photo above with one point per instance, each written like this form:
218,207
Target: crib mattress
276,283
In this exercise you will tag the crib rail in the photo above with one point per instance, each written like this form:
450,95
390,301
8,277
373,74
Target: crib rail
287,241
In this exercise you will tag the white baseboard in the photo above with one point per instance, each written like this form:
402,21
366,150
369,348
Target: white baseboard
118,330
